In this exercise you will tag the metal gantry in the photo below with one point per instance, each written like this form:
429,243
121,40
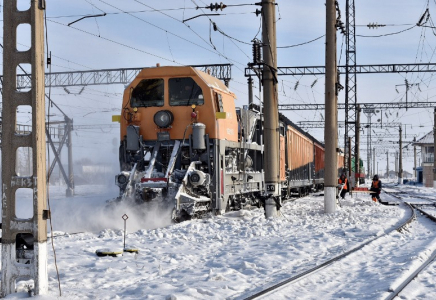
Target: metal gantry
341,124
362,105
110,76
221,71
359,69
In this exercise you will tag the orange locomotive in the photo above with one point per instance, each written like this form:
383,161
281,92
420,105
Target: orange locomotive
184,143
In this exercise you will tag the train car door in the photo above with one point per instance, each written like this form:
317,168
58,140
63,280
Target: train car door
282,154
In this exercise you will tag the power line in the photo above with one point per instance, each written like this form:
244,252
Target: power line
118,43
305,43
387,34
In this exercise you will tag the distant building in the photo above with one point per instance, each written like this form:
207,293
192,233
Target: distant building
392,175
427,159
407,175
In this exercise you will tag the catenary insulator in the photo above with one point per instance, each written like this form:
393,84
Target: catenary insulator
257,58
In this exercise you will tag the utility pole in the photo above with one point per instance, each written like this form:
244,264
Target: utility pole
357,148
349,163
331,125
369,112
271,112
396,163
13,227
408,85
400,160
387,164
70,183
434,154
373,161
414,158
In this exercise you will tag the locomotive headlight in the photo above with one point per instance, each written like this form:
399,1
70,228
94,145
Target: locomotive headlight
197,178
121,179
163,118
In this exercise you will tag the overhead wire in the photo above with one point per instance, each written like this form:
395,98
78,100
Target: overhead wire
176,35
48,156
126,12
387,34
301,44
173,19
115,42
59,57
222,32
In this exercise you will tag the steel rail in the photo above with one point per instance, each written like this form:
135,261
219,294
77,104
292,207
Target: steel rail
415,273
337,258
409,279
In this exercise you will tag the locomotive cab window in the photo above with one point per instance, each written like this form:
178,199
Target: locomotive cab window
185,92
219,102
148,93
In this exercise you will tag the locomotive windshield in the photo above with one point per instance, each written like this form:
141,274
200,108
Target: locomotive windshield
185,92
149,92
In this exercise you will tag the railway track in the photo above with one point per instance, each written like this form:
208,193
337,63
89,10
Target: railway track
387,287
430,259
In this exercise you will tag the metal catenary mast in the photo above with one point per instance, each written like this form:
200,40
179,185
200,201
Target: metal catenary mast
350,86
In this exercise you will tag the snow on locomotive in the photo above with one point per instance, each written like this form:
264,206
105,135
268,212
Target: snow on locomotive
184,143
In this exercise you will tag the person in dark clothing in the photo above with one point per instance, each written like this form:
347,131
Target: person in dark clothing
343,181
376,187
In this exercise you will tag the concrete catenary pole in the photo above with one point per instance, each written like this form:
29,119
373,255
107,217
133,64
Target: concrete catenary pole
414,159
331,107
387,164
349,160
357,148
434,147
373,161
70,183
12,143
400,159
368,112
271,111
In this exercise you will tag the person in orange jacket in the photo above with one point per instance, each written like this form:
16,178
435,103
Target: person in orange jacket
376,187
343,181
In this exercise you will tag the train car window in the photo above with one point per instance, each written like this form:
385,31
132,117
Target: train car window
282,130
185,92
148,92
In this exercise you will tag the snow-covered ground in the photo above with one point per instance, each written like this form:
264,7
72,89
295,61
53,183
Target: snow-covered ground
224,256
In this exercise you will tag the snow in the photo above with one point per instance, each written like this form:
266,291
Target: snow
230,256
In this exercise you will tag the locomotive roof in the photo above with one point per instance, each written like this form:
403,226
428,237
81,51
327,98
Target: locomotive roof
179,71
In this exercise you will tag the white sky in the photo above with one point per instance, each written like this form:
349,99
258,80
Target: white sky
140,39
